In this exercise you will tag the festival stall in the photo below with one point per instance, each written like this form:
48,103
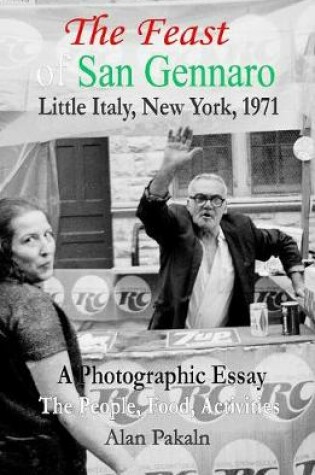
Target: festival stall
205,402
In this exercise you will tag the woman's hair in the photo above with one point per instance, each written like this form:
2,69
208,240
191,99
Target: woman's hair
11,208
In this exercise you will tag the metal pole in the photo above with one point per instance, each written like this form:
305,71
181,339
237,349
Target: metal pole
306,201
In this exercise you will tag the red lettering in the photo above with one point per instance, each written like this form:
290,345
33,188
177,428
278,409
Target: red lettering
222,29
192,35
147,28
169,34
82,22
100,32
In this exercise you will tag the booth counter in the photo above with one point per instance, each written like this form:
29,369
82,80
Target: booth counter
219,402
251,413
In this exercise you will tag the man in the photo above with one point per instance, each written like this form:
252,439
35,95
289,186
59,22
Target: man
207,255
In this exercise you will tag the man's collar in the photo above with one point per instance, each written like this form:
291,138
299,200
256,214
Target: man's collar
219,237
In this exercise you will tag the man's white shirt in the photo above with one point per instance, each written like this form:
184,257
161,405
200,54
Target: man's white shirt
212,291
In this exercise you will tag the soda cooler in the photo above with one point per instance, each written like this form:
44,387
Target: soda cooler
224,402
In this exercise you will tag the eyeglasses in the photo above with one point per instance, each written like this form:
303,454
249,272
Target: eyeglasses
201,199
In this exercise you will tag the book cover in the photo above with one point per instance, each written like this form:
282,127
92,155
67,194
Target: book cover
88,93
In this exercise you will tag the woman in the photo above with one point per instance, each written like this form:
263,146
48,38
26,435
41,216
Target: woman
36,342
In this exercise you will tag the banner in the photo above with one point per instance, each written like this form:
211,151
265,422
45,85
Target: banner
124,299
131,69
30,171
217,402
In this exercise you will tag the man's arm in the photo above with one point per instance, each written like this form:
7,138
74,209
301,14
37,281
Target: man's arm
273,242
159,221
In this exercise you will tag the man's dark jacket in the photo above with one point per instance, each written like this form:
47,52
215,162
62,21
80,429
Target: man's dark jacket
181,255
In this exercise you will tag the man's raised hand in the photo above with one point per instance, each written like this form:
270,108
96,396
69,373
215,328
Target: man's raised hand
177,151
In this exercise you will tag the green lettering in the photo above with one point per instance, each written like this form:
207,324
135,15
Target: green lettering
85,69
235,78
180,70
148,71
262,79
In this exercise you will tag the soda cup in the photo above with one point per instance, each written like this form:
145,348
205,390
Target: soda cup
259,319
290,318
